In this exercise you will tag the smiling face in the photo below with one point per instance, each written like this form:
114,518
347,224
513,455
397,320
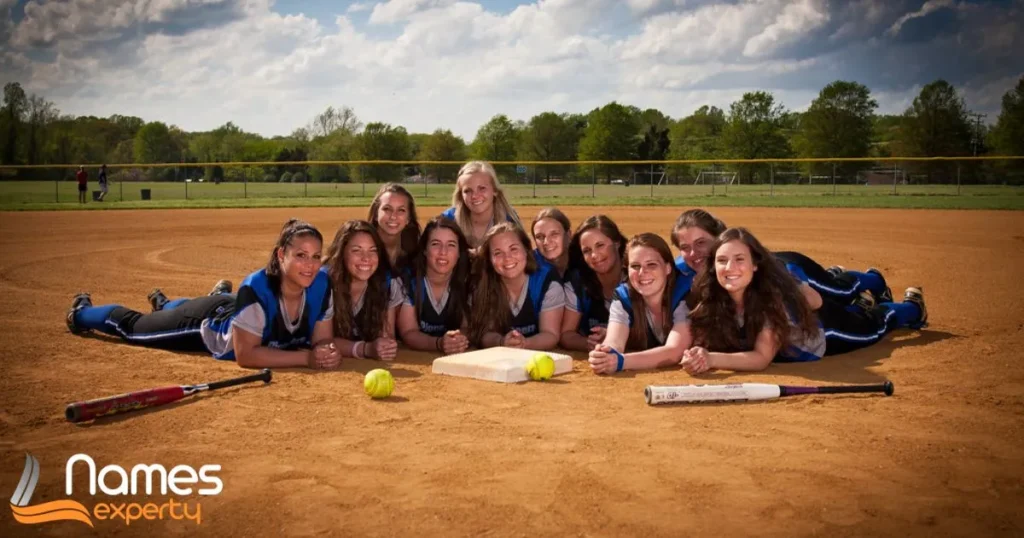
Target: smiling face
477,192
442,251
734,266
508,255
393,214
600,252
648,271
361,256
550,238
300,260
695,245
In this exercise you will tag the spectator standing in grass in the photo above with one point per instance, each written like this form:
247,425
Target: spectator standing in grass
83,183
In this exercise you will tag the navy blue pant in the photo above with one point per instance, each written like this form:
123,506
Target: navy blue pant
175,328
848,328
844,287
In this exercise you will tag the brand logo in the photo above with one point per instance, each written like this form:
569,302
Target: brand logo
114,480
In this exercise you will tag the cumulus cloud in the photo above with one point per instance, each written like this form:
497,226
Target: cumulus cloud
453,64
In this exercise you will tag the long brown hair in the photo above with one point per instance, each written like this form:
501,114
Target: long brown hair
771,299
591,282
291,229
697,218
375,298
638,332
458,285
410,236
490,311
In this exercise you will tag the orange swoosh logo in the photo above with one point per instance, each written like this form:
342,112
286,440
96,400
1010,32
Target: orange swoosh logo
65,510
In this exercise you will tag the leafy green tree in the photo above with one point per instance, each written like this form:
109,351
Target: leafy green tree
839,123
935,125
696,137
441,145
549,137
754,130
382,142
611,134
13,113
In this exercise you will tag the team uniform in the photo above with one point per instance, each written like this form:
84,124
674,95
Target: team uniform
847,327
450,213
395,297
686,270
208,323
436,315
541,259
842,287
593,313
542,293
811,347
621,310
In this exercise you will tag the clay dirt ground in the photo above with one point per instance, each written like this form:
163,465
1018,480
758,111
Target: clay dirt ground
581,455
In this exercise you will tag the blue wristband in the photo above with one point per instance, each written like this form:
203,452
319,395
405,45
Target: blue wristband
622,359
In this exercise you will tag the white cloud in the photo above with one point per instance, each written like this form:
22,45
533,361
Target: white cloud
429,64
926,8
394,11
794,21
358,7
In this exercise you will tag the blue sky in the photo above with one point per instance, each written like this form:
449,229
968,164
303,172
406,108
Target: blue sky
270,66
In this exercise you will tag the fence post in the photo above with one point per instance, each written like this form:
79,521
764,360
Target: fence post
186,185
712,186
245,185
534,181
895,171
833,179
650,178
120,185
56,188
771,179
362,179
423,176
305,186
593,181
958,178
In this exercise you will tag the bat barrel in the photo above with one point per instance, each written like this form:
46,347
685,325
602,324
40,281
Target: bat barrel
265,376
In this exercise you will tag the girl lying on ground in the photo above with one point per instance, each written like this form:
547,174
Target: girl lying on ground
366,295
435,314
517,302
750,311
551,231
281,316
647,322
597,250
393,215
696,230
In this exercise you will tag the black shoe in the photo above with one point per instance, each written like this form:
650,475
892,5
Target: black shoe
223,287
886,296
80,301
916,295
157,299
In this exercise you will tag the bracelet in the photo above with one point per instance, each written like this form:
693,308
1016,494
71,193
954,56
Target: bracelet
437,344
362,352
352,352
621,358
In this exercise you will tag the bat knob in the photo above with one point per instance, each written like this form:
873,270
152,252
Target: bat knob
267,375
889,388
72,413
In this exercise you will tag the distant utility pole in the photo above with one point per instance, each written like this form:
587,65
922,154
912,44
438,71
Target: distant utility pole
976,139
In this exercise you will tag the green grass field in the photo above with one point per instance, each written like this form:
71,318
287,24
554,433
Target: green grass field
43,195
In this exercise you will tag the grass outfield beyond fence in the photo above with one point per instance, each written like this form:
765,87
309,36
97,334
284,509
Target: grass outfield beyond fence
32,195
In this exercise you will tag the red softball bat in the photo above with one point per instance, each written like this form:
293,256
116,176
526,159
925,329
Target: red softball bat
133,401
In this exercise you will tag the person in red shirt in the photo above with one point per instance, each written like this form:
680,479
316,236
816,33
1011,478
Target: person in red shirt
83,177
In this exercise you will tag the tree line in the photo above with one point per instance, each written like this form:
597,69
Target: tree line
840,122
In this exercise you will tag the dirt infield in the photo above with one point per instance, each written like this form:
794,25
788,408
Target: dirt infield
580,455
